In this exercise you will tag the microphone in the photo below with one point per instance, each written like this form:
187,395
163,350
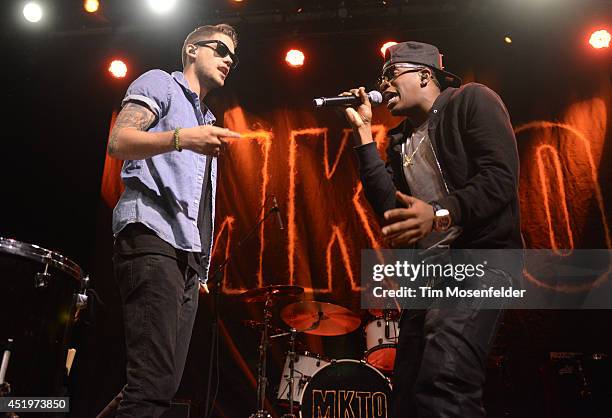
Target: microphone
374,96
278,215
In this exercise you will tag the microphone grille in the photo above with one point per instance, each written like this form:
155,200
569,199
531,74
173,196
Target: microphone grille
318,102
375,97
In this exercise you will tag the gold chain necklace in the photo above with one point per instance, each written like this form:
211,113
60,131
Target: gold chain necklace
409,159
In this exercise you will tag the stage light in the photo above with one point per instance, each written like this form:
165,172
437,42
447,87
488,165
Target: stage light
118,69
161,6
32,12
600,39
385,46
295,58
507,39
91,6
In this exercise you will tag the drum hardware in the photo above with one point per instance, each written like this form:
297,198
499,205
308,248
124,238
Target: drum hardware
269,295
291,355
262,380
392,314
41,280
81,297
258,326
386,330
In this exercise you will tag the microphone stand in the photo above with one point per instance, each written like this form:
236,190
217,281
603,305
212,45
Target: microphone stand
216,291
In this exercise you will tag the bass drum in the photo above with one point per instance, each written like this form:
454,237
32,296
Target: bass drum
38,294
347,388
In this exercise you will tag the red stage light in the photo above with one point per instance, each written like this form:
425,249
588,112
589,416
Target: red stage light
386,45
600,39
118,69
91,6
295,58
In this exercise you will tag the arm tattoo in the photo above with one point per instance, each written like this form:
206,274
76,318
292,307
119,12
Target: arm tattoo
132,115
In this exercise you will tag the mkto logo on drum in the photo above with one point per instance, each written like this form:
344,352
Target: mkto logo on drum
348,404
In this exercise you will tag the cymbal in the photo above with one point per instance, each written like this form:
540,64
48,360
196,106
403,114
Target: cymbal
320,318
260,294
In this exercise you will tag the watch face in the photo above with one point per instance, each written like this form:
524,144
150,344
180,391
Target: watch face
442,220
445,223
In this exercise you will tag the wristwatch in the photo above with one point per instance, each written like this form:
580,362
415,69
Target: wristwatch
442,219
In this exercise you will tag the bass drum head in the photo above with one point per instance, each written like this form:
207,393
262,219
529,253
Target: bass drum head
347,388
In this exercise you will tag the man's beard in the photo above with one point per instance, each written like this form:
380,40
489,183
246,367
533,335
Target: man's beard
208,81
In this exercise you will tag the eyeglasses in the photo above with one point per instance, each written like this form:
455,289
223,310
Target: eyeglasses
391,73
222,50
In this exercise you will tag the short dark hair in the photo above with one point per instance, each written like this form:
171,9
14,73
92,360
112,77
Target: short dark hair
205,32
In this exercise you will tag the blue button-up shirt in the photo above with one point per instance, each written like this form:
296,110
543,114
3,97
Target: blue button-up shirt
163,192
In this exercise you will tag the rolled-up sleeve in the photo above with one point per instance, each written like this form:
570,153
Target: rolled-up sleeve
152,89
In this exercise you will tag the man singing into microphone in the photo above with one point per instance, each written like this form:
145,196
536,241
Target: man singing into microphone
163,222
451,180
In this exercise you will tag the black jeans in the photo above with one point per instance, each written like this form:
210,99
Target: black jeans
440,363
160,298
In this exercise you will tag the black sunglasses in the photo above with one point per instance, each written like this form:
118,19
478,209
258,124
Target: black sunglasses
222,50
388,75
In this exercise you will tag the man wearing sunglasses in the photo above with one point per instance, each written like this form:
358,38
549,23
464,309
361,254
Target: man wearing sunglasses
450,181
163,222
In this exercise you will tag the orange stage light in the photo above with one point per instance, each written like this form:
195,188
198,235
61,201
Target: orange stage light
385,46
118,69
91,6
295,58
600,39
508,39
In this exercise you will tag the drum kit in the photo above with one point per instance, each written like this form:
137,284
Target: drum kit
315,385
41,293
51,289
